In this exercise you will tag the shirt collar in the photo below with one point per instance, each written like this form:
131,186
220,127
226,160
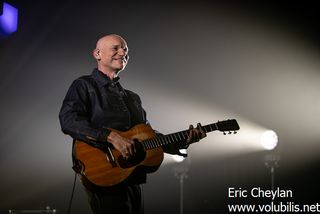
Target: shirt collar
103,79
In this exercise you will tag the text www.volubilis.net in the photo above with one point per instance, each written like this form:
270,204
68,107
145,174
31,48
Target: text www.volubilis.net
287,207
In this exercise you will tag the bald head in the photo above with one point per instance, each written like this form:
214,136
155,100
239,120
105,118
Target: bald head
111,53
107,38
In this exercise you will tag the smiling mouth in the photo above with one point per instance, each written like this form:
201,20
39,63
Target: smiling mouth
120,59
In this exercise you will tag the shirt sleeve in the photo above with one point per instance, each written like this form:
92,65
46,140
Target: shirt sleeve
74,115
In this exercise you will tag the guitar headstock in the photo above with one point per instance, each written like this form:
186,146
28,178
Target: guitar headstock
229,126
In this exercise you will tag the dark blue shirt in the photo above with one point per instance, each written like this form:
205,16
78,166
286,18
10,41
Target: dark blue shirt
94,103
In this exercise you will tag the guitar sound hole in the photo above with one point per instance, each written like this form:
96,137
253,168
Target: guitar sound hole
134,160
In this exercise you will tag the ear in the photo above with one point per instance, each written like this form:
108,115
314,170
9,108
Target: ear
96,54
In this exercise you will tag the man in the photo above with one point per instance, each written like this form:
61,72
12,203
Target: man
96,103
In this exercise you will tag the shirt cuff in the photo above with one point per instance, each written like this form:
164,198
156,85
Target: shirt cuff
102,135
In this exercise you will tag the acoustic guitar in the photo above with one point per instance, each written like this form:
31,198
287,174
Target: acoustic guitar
107,167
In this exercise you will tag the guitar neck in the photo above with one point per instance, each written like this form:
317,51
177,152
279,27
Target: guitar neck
176,137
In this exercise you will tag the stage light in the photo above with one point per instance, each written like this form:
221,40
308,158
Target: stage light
8,20
269,139
179,158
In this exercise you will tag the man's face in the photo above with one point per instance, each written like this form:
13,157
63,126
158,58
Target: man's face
113,53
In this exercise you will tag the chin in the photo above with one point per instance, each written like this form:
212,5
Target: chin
122,67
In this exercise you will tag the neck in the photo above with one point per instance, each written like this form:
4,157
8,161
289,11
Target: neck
110,73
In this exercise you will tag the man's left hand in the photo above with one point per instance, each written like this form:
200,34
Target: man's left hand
195,134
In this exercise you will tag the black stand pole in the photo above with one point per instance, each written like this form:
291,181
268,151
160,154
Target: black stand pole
272,162
181,172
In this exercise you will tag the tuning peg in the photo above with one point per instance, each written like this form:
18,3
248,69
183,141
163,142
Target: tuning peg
224,133
235,132
229,132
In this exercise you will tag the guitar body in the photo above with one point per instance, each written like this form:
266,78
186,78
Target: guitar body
108,167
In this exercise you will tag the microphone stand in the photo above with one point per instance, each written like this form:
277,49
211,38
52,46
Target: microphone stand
272,162
181,172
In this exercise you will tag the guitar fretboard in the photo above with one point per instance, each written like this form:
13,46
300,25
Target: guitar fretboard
176,137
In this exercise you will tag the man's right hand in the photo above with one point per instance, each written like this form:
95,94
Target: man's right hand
124,145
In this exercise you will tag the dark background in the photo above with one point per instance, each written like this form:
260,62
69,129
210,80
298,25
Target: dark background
191,61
